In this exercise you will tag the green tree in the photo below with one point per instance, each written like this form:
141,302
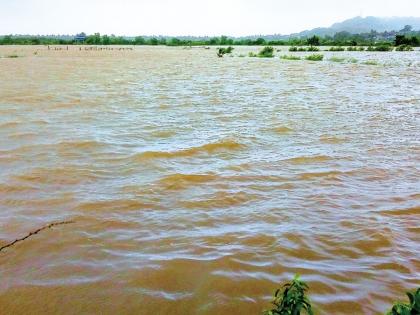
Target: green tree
313,41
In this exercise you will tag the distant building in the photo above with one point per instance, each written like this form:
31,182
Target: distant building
80,37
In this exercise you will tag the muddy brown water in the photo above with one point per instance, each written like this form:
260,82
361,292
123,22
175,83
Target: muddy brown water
198,185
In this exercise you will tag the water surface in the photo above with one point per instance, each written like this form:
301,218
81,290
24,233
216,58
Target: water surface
198,185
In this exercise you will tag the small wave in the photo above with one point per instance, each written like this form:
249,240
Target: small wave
82,145
308,159
209,148
221,200
406,211
163,134
282,130
183,181
5,188
114,205
64,175
331,139
11,124
334,175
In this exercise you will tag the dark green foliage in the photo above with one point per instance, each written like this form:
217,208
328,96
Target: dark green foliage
403,40
292,301
404,47
382,47
315,57
223,51
252,55
266,52
293,48
412,308
313,41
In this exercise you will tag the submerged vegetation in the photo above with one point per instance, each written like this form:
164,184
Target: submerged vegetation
292,300
290,57
315,57
370,63
11,56
337,59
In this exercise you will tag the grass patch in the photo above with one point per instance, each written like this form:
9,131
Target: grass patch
337,59
315,57
290,57
293,48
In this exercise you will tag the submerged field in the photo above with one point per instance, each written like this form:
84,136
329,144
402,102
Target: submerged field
198,184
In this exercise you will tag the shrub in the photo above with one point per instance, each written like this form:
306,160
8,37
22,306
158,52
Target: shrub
315,57
407,309
361,48
223,51
301,49
292,300
266,52
380,48
252,54
290,57
293,48
336,49
12,56
312,48
352,48
404,47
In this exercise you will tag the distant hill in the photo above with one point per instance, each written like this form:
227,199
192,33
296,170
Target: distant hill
363,25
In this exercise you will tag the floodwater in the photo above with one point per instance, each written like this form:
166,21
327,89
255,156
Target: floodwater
198,185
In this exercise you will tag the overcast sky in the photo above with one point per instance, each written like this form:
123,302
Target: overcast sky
188,17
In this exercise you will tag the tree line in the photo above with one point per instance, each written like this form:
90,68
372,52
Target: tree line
340,39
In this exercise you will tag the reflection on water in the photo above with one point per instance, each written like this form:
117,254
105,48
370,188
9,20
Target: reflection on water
199,184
